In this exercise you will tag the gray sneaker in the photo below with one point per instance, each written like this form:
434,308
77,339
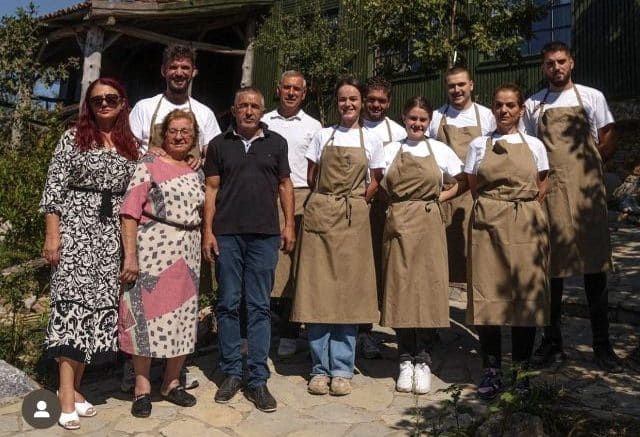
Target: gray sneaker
187,379
128,377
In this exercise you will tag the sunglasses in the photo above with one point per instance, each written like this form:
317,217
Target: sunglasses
111,99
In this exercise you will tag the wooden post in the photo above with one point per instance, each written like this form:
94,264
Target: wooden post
93,46
247,63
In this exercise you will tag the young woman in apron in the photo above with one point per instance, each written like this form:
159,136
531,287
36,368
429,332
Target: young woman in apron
508,259
335,278
415,267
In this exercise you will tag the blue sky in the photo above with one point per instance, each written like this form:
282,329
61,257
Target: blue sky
8,7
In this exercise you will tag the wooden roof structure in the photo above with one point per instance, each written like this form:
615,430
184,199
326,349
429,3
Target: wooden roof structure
123,37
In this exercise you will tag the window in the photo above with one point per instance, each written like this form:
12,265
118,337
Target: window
556,26
395,61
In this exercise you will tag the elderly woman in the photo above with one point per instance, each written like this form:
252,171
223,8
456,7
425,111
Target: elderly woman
508,259
416,271
87,178
335,283
161,216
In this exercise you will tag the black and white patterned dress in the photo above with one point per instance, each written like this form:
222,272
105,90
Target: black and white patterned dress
85,285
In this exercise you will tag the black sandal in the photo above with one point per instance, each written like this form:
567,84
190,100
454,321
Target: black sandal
179,396
141,406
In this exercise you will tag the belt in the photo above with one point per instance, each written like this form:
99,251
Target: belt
346,198
427,205
516,202
106,208
170,223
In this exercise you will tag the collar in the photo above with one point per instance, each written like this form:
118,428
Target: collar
231,131
277,115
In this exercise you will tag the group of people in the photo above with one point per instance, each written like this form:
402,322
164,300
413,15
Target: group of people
374,222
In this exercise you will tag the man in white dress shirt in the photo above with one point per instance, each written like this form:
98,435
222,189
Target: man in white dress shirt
297,127
577,128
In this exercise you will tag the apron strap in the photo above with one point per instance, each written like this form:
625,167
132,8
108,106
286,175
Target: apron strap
443,119
153,118
479,124
386,120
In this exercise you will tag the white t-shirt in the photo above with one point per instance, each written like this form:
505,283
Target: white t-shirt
593,100
381,129
346,137
298,131
142,113
445,157
464,118
478,146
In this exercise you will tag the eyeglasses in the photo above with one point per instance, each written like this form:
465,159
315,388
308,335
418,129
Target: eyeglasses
184,132
111,99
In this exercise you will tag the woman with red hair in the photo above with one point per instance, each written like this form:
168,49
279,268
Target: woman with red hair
87,179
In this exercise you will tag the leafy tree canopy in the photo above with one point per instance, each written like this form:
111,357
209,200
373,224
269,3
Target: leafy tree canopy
434,32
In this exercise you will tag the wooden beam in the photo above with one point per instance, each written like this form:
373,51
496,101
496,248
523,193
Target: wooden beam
247,63
93,46
148,35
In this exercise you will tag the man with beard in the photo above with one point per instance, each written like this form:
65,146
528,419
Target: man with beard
456,123
178,69
376,104
246,169
577,128
297,127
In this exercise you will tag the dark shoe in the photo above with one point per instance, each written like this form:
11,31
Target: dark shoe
547,354
606,359
262,399
141,406
179,396
490,383
228,389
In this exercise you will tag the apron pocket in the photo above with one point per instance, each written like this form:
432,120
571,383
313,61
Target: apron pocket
322,213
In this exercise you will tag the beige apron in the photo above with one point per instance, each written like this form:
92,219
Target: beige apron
155,130
377,216
284,280
335,277
576,202
416,274
458,210
509,245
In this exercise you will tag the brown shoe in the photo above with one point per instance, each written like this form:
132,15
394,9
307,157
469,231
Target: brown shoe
340,386
318,385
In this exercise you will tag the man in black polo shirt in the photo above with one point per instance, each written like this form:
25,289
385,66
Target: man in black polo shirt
246,168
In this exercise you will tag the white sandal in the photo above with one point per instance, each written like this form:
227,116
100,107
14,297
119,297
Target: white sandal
69,421
85,409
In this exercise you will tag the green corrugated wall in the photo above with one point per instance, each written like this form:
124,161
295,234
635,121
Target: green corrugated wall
606,35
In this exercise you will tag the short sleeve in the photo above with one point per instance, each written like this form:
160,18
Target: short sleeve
539,154
55,188
283,162
451,165
529,122
315,147
474,155
136,196
211,128
602,114
488,122
136,122
210,166
376,160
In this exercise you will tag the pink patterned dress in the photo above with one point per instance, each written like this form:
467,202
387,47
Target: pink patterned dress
158,313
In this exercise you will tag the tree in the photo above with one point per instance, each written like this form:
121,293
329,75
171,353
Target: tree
21,42
309,41
437,33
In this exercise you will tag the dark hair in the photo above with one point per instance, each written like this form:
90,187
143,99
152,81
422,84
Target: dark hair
457,70
509,87
419,102
178,114
177,51
378,83
555,46
88,135
349,80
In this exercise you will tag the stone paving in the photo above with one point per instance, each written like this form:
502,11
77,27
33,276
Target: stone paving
374,408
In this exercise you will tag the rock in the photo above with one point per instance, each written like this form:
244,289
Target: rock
611,182
190,428
518,425
14,382
627,195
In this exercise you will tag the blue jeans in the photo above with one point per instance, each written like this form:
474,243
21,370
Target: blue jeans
246,262
333,348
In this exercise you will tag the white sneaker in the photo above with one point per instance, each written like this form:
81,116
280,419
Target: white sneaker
287,347
128,377
404,383
422,379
